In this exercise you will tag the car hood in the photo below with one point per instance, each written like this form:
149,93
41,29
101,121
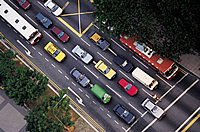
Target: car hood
128,67
130,118
25,5
58,12
110,74
132,91
87,58
64,38
47,23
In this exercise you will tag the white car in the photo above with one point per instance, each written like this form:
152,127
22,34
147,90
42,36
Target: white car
153,109
53,8
82,54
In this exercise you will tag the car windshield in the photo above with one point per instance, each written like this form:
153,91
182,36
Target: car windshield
154,109
55,7
44,20
128,86
56,53
100,41
106,71
83,54
125,114
60,34
22,2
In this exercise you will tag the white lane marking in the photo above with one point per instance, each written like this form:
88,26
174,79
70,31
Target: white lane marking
164,80
46,59
50,36
188,119
60,71
116,122
2,20
80,89
144,113
67,77
118,44
21,36
135,108
149,125
70,54
40,4
114,91
87,96
140,62
104,58
53,65
73,83
91,72
40,53
101,109
147,92
9,25
94,102
183,93
27,42
31,20
85,42
123,128
109,115
34,48
126,76
13,4
96,26
15,31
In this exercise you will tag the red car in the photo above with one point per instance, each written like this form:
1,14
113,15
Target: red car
60,34
127,87
24,4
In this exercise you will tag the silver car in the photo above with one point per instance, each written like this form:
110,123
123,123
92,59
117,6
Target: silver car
82,54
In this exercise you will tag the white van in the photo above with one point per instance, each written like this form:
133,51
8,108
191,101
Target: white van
144,78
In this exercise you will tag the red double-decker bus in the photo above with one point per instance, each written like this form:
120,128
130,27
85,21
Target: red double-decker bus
166,67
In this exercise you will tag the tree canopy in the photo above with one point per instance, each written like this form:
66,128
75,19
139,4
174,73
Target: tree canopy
173,25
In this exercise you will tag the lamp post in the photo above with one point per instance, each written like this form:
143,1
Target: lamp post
56,116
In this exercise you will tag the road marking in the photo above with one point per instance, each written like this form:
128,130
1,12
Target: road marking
126,76
147,92
109,115
60,71
15,31
40,4
2,20
140,62
73,83
118,44
104,58
67,77
96,26
13,4
191,123
123,128
144,113
185,122
112,51
87,96
184,72
50,36
85,42
114,91
116,122
34,48
21,36
149,125
65,5
163,80
94,102
40,53
8,25
53,65
101,109
91,72
31,20
135,108
80,89
70,54
79,17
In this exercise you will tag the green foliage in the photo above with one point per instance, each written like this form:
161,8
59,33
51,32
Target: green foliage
162,23
20,83
41,118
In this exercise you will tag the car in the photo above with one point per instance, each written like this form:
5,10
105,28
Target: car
82,54
98,40
53,8
124,114
24,4
60,34
43,20
124,64
128,87
79,77
155,110
105,70
55,52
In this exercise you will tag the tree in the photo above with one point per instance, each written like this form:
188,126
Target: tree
42,119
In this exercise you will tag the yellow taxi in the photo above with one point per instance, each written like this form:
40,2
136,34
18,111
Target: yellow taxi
55,52
105,70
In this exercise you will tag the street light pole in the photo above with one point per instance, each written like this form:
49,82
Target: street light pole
56,116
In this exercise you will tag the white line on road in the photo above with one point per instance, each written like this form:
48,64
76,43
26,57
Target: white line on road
123,128
40,53
135,108
104,58
109,115
31,20
85,42
60,71
53,65
2,20
144,113
94,102
80,89
101,109
163,80
118,44
21,36
91,72
67,77
40,4
34,48
126,76
46,59
146,92
9,25
13,4
15,31
50,36
70,54
116,122
140,62
96,26
87,96
149,125
114,91
73,83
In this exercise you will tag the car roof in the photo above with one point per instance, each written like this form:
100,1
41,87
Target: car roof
40,16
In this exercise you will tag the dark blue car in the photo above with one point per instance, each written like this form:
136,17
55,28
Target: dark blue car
122,112
123,63
43,20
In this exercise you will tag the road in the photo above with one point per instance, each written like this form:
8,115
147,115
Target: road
179,97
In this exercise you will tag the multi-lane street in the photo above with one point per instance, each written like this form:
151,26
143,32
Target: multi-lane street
180,97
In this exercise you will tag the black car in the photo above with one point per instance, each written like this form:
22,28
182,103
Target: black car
124,64
43,20
122,112
79,77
